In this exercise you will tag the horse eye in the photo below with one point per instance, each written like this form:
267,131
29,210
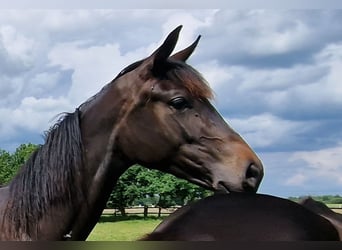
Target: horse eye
179,103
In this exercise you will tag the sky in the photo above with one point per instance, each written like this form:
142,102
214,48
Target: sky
276,74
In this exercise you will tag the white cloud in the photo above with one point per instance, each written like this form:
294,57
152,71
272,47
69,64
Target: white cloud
15,43
217,76
92,67
190,23
268,130
276,35
42,83
296,180
34,115
313,172
325,163
288,174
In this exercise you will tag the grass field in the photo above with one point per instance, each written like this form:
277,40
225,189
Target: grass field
117,228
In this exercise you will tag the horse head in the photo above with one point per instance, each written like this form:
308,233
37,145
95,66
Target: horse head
167,122
156,113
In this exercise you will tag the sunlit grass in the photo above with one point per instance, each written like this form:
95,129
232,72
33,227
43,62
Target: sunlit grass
130,228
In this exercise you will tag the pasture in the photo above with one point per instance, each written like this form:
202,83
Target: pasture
118,228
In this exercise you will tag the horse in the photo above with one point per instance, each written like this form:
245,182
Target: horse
157,113
243,217
323,210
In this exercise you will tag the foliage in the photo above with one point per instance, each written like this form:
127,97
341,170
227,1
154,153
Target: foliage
6,170
327,199
126,190
10,163
141,186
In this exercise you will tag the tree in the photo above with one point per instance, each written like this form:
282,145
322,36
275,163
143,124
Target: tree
22,153
10,163
174,191
5,167
141,186
127,189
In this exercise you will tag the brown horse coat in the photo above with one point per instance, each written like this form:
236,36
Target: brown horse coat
323,210
243,217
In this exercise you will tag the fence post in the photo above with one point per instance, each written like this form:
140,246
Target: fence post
159,212
145,211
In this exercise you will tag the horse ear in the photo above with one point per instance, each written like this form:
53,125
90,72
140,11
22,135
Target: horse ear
184,54
165,50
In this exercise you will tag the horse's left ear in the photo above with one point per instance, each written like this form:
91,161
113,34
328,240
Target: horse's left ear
184,54
165,50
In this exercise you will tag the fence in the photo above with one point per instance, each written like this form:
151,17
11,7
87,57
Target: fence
336,207
145,211
157,211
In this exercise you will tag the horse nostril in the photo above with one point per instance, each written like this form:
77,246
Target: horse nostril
253,178
252,171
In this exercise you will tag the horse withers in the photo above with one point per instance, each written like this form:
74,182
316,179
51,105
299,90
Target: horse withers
243,217
156,113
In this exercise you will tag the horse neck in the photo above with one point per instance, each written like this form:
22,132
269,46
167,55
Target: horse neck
103,160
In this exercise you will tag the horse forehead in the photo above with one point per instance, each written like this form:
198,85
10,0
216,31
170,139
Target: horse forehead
168,85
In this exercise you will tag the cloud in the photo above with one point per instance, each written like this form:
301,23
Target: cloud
265,130
296,180
313,172
325,163
31,115
92,66
176,4
298,92
269,38
294,174
15,51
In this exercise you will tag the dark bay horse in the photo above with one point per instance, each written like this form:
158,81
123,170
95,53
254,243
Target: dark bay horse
243,217
155,113
323,210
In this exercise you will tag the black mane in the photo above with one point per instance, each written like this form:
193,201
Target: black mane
48,177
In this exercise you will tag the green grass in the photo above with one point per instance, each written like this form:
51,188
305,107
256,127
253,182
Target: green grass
117,228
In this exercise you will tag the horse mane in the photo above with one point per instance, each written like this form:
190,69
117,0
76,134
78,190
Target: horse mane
190,78
48,177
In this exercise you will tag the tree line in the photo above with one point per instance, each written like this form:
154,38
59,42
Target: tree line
327,199
137,186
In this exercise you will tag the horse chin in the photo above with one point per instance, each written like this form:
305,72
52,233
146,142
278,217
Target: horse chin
222,189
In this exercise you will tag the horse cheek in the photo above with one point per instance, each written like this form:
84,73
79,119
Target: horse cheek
140,140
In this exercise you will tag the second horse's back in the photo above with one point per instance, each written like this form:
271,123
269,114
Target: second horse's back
244,217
